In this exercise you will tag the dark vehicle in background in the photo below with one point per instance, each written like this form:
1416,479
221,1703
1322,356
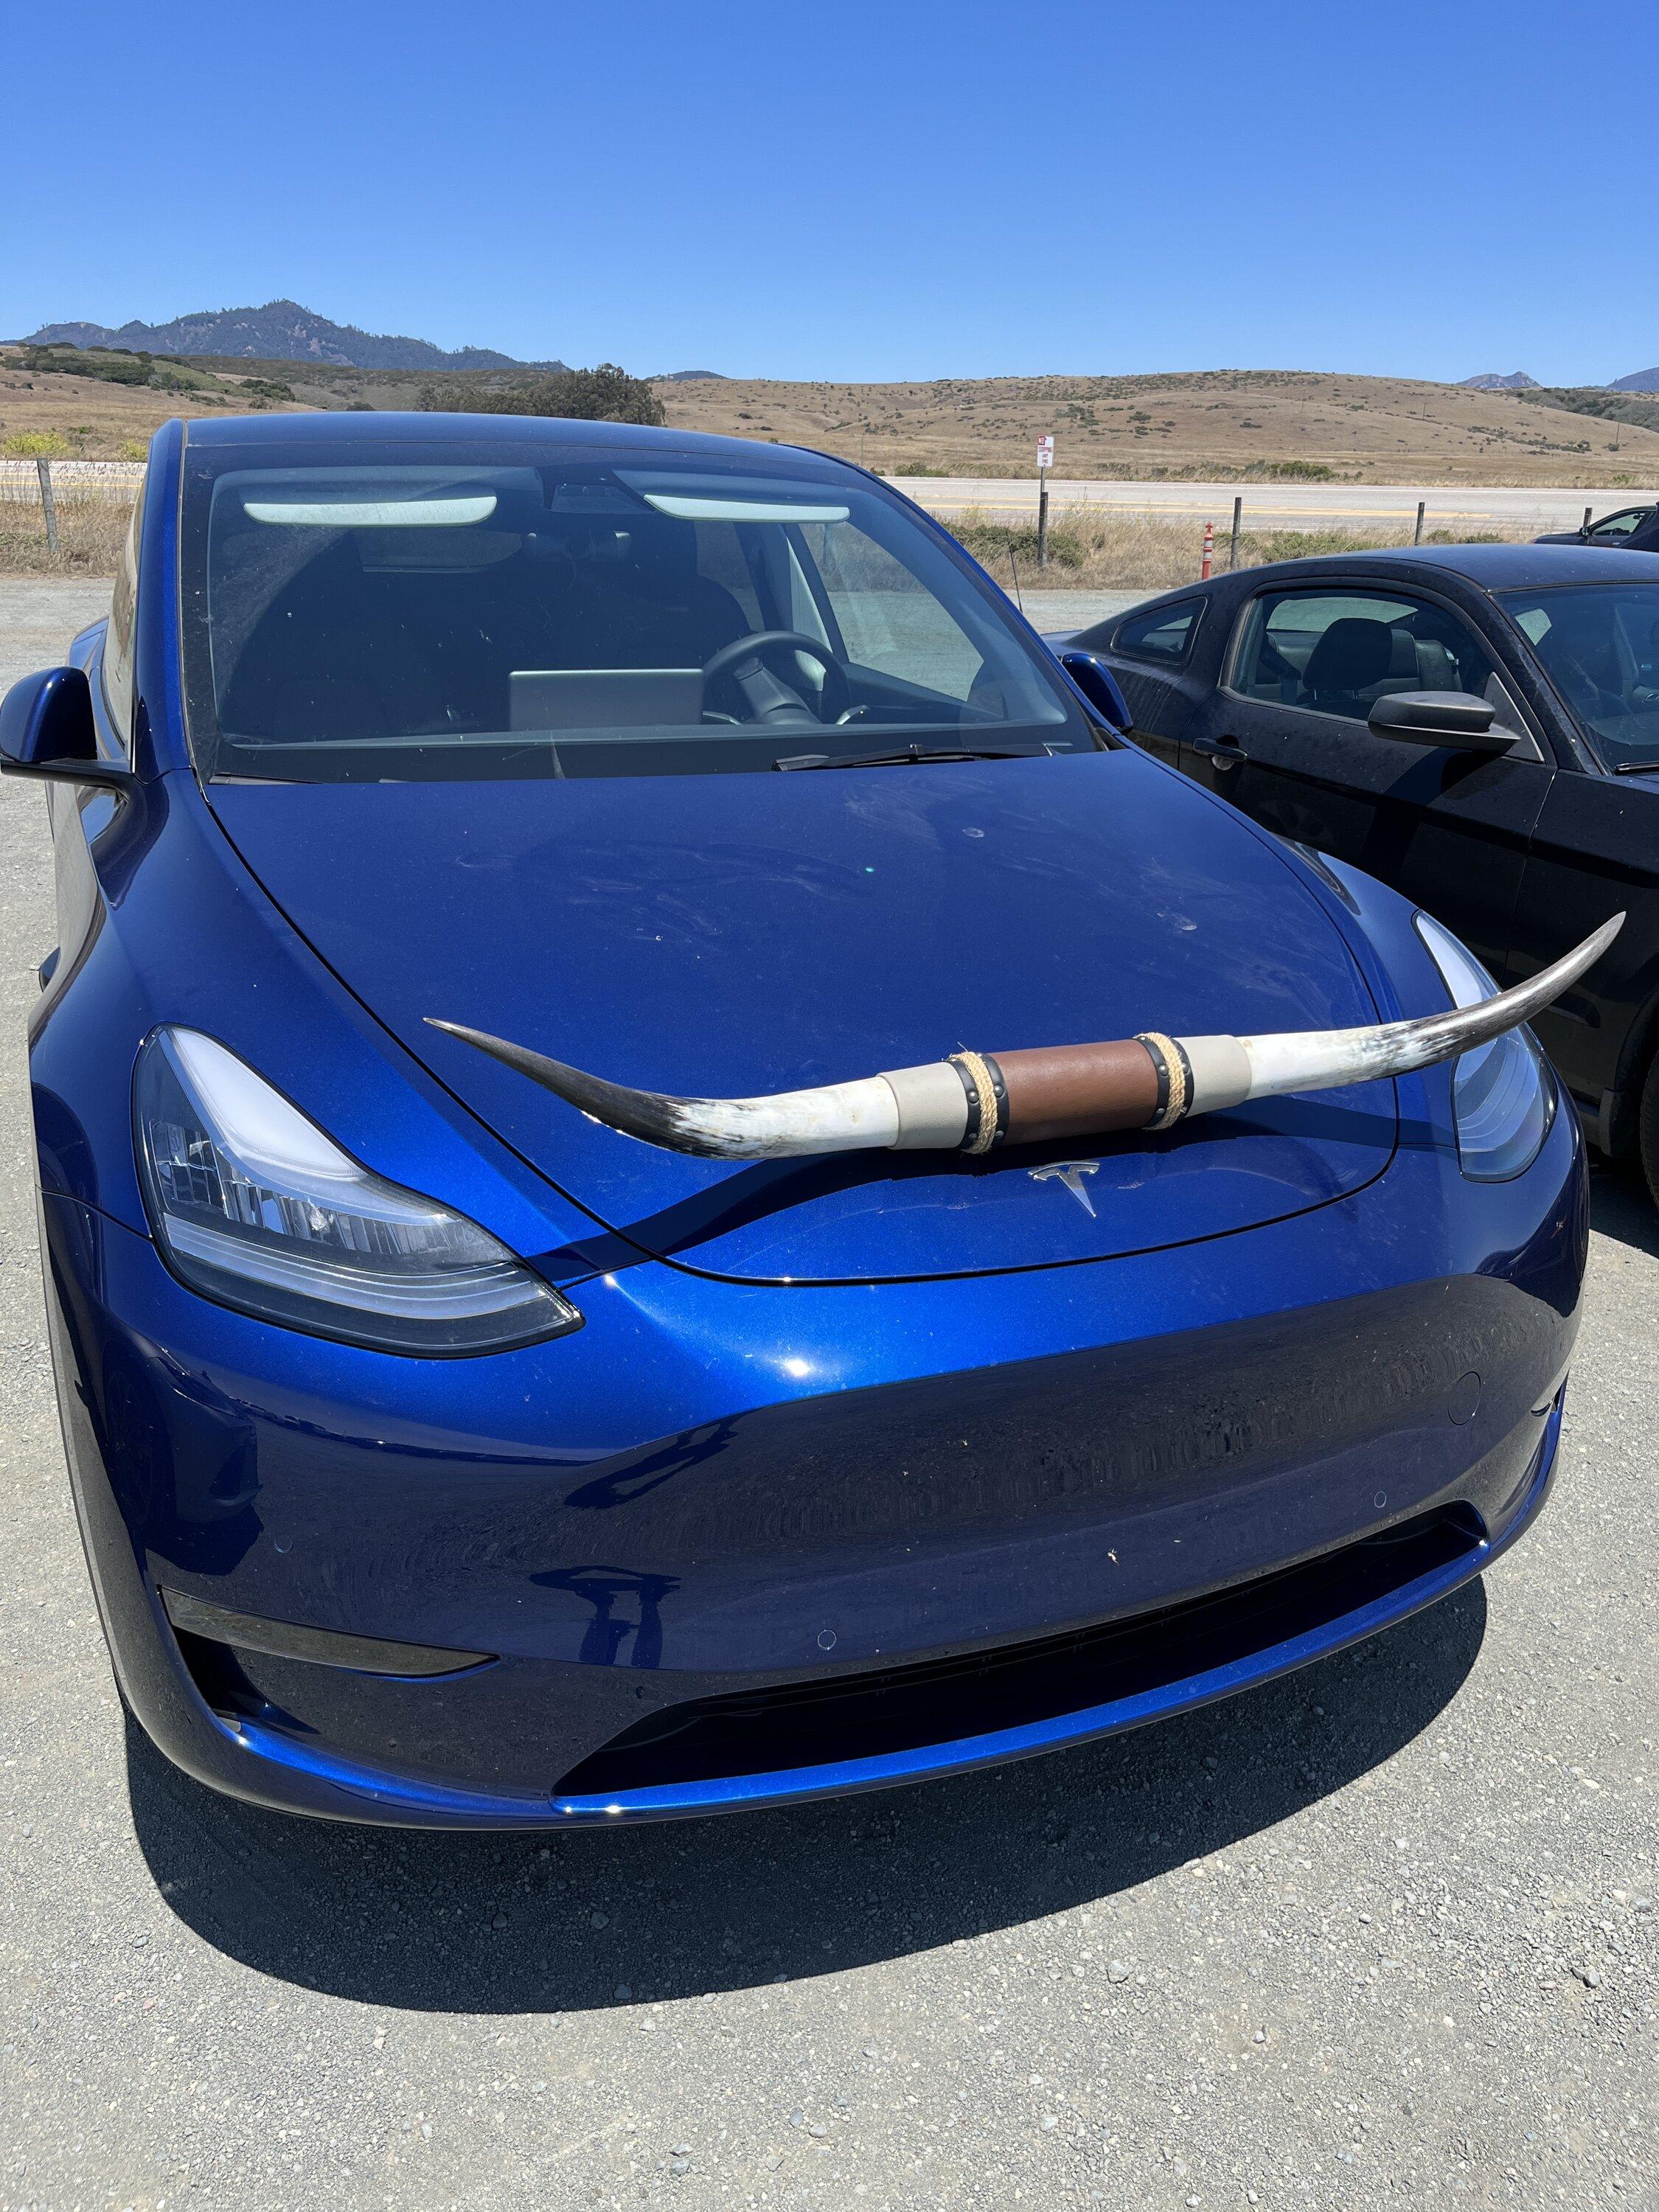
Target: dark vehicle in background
1476,725
1631,530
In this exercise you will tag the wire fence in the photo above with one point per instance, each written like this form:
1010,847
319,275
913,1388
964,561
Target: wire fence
71,484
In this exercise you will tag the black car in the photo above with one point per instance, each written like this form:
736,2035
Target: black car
1631,530
1476,725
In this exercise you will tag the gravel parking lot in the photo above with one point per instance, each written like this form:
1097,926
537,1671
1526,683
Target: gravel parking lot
1384,1931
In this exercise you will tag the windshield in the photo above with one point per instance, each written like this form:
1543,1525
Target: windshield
558,610
1600,643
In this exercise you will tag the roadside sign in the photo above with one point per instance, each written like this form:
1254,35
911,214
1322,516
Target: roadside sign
1045,452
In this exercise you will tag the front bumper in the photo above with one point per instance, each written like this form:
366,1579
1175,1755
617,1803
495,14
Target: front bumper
842,1527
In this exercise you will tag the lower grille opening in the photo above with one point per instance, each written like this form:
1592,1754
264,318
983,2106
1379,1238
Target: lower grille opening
902,1708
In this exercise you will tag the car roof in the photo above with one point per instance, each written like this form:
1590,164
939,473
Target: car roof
1505,568
347,427
1489,567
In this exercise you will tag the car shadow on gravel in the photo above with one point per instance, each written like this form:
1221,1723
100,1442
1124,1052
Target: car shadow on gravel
580,1919
1620,1208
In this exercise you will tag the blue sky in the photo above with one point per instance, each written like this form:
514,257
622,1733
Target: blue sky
853,190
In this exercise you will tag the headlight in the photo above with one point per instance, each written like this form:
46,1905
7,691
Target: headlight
253,1206
1503,1097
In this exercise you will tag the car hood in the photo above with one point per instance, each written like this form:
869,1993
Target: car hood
726,935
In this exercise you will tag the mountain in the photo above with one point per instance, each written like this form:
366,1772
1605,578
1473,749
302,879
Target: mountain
280,331
1643,380
690,376
1520,381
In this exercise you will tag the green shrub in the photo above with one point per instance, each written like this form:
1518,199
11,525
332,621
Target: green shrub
1289,472
993,541
36,445
605,394
107,368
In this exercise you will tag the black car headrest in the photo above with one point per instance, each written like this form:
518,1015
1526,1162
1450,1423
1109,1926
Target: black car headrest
1356,650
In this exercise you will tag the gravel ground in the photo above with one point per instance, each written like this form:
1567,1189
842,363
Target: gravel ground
1384,1931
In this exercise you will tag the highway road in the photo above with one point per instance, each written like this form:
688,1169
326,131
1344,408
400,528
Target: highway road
1508,507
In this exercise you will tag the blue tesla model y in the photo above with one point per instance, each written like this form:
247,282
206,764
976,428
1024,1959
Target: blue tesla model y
520,1361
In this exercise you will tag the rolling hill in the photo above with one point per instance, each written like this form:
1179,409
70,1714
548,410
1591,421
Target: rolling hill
1216,423
1250,425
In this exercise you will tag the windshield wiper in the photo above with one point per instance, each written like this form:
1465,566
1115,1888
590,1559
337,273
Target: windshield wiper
906,756
1636,767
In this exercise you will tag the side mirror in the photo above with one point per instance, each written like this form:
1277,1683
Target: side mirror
1096,681
1456,719
47,731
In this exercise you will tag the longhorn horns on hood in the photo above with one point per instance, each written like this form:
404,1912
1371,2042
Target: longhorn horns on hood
973,1100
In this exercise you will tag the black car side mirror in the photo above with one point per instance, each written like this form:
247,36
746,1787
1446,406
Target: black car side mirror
1096,681
47,731
1456,719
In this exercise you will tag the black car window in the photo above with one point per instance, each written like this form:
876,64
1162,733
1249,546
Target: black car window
117,638
568,610
1600,644
1164,634
1340,651
1613,527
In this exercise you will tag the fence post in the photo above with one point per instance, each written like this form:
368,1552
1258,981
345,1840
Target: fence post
48,504
1238,517
1584,525
1417,535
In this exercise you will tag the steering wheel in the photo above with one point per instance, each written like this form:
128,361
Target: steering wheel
837,691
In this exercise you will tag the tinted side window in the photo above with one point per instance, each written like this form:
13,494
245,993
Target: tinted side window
1615,526
1162,634
117,639
1337,653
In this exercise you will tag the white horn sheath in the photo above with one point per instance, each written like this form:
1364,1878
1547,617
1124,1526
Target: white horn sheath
973,1100
1325,1059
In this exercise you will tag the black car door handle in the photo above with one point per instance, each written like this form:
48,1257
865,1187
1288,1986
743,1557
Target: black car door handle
1225,752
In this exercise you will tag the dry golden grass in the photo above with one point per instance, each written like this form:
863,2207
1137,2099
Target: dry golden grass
1089,550
97,421
1225,424
89,539
1092,551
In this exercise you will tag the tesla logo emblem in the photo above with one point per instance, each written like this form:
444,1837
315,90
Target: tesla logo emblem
1070,1173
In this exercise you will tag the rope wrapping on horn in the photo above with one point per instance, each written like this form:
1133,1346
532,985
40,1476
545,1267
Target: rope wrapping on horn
1174,1077
987,1100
